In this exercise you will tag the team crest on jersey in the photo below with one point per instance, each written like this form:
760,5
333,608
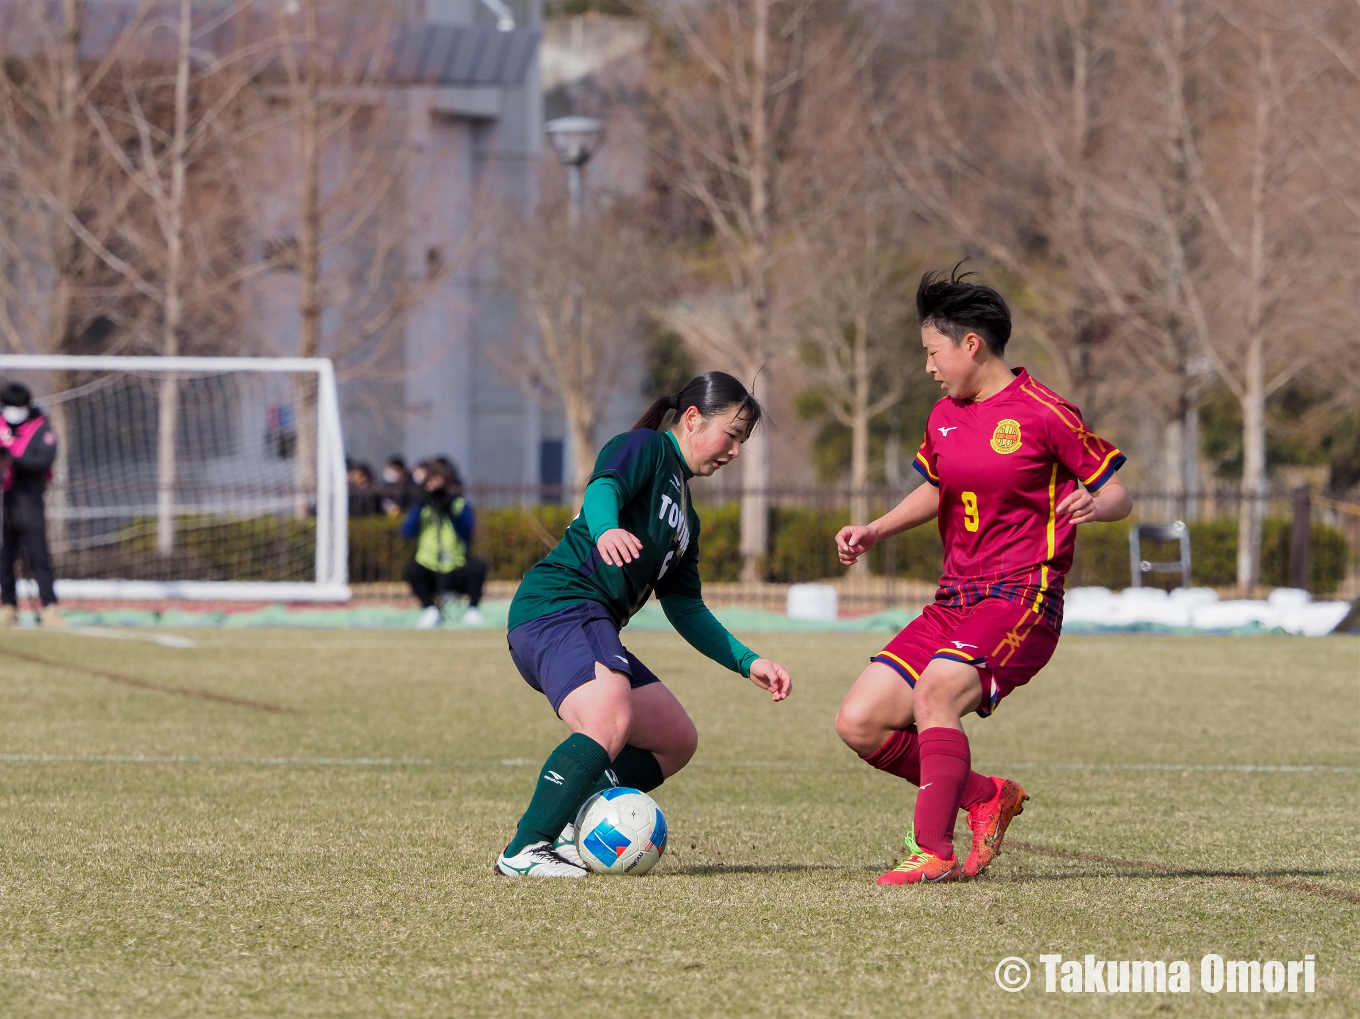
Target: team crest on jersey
1006,438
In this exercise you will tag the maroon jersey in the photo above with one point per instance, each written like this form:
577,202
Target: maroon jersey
1002,467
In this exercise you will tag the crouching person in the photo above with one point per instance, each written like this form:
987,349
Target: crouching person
442,522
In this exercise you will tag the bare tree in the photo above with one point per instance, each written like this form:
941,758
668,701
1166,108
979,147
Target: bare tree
1001,158
1150,223
1138,170
157,150
844,279
854,312
1263,201
583,289
60,199
1335,145
348,234
728,92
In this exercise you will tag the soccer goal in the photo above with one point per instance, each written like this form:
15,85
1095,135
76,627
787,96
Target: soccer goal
203,478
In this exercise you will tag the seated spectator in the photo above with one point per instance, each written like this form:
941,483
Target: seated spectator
399,492
364,500
442,523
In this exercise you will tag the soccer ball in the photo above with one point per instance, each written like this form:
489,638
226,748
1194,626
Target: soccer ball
620,831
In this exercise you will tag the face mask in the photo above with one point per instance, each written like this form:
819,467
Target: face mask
390,475
15,415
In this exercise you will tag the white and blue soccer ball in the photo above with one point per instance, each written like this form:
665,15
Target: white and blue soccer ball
620,831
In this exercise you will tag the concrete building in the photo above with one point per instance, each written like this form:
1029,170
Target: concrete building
471,122
477,143
445,136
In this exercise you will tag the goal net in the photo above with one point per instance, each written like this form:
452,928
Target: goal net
193,477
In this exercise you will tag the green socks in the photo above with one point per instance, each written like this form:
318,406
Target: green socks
567,778
575,771
633,767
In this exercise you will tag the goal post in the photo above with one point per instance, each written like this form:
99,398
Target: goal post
203,478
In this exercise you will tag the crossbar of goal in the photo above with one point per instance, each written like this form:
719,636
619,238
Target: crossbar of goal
326,478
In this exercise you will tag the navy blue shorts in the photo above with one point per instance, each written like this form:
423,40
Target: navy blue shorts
557,653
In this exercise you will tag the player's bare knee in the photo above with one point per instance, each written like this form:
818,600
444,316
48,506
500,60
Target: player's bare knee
686,742
946,691
857,727
610,729
934,693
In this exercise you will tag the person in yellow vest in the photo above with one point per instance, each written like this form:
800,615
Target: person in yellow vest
441,523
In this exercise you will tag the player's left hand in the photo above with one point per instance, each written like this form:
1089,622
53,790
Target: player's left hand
1081,505
773,677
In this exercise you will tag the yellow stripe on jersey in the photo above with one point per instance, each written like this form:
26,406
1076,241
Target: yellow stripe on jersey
889,654
1052,509
1052,524
955,652
1101,469
921,459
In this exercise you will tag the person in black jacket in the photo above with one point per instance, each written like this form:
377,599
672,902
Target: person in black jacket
28,448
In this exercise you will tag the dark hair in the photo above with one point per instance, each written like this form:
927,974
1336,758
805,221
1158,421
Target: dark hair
443,467
15,394
396,460
712,393
957,308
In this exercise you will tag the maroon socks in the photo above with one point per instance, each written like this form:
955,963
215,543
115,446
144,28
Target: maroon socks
945,770
899,755
979,789
937,760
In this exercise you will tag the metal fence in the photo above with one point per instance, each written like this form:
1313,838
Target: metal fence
1309,539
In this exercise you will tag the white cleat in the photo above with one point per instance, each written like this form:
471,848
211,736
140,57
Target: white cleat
565,846
537,860
430,618
473,617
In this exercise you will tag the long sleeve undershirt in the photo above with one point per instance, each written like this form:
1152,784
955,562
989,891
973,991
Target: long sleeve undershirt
693,621
690,616
601,506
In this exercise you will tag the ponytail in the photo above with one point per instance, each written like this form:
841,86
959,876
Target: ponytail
713,393
655,415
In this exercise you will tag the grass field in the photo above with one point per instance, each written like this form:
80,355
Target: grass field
303,824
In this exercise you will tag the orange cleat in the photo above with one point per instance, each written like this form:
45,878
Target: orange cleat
921,866
989,821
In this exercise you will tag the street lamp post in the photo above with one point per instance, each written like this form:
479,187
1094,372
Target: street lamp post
575,140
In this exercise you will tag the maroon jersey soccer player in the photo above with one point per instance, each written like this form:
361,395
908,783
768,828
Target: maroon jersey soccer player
1012,471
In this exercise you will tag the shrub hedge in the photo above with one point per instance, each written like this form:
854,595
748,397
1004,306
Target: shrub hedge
206,548
802,548
1102,556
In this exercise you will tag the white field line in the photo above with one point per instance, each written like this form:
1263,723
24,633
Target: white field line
1059,766
1285,769
521,762
302,762
105,633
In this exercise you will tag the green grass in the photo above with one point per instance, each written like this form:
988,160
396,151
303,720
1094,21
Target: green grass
250,880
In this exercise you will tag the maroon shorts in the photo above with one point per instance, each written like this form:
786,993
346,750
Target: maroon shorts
1008,641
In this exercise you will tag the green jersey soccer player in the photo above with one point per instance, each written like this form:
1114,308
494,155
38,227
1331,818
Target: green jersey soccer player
637,532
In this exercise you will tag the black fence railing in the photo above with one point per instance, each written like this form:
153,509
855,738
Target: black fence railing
1309,541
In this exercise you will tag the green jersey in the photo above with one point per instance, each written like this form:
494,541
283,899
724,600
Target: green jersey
654,505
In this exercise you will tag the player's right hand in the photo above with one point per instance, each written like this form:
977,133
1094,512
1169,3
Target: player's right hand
618,546
773,677
852,541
